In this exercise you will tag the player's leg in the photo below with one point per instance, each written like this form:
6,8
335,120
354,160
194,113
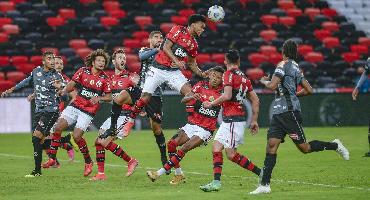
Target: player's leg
368,139
135,94
100,161
241,160
65,143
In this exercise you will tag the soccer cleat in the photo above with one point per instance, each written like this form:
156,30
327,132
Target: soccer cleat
178,179
341,150
262,189
212,186
33,174
56,165
152,175
98,177
49,163
72,141
71,155
260,177
88,169
128,127
131,166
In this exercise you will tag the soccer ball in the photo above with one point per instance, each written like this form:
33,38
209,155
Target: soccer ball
216,13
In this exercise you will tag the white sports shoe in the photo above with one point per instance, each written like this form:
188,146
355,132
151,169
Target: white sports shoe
262,189
341,150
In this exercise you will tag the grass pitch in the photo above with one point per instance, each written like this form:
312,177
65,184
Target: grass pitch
322,175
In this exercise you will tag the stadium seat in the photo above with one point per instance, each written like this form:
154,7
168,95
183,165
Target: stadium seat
96,44
350,57
15,76
286,4
4,85
118,14
6,6
190,2
4,61
181,20
255,73
36,60
275,58
155,1
83,52
107,22
330,26
268,20
203,58
67,13
143,21
4,37
5,20
287,21
331,42
140,35
19,60
321,34
268,35
257,58
132,58
359,49
10,29
364,41
314,57
295,12
218,58
268,49
303,49
87,2
186,12
77,43
111,5
2,76
134,67
132,43
329,12
312,12
55,21
26,68
166,27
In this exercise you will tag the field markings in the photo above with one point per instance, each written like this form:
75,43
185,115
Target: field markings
207,174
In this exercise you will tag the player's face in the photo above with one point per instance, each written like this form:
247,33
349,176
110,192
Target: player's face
199,27
99,62
58,64
156,40
120,61
215,78
48,61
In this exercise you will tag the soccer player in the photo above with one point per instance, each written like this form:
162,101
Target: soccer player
180,44
355,93
92,86
286,115
47,83
230,135
200,127
121,80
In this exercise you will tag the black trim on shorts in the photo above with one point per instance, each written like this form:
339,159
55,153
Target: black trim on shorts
75,106
162,67
154,109
44,121
135,93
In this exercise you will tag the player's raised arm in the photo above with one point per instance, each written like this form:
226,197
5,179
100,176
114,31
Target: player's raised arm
146,53
25,82
194,67
167,49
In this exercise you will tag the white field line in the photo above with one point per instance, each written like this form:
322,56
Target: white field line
207,174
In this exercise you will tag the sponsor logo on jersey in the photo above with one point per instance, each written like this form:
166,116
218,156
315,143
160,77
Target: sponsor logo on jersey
206,111
88,94
39,74
99,84
92,82
180,53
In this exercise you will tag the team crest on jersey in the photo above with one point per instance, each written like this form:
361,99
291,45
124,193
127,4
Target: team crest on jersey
99,84
211,98
39,74
92,82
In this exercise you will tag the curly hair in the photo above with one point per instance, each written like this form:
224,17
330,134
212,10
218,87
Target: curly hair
119,50
89,59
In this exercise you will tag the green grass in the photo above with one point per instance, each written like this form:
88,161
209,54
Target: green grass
340,179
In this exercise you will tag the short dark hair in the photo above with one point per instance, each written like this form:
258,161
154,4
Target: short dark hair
233,56
290,49
89,59
117,51
196,18
47,53
153,33
218,69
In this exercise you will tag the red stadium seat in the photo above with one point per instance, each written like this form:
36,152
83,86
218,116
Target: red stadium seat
187,73
132,43
181,20
6,6
275,58
295,12
118,14
109,21
267,49
15,76
287,21
86,2
111,5
268,35
331,42
4,85
83,52
132,58
134,67
18,1
142,21
11,29
203,58
166,27
26,68
4,61
212,25
257,58
55,21
350,57
303,49
186,12
321,34
67,13
140,35
218,58
5,20
286,4
329,12
4,37
360,49
190,2
19,60
2,76
52,49
268,20
312,12
330,26
155,1
314,57
255,73
36,60
364,41
77,43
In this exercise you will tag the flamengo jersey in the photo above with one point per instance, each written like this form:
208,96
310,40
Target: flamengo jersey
234,109
200,116
121,82
89,86
184,45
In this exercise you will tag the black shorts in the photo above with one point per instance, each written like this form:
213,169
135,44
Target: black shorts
154,109
44,121
287,123
135,94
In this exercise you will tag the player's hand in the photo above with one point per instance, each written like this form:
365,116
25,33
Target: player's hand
95,100
355,94
197,96
254,127
30,97
178,64
207,104
205,74
7,92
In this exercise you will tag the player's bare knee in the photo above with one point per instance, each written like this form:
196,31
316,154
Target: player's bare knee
230,155
304,148
157,130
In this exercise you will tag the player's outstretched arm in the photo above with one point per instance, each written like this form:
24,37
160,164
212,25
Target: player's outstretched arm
226,96
147,53
275,80
194,67
306,90
25,82
255,101
190,96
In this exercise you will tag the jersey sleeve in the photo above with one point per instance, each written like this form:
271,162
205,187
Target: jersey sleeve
196,87
174,33
227,78
249,85
279,72
77,76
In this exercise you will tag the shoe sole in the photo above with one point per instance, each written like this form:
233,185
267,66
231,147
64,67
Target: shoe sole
133,171
150,177
179,182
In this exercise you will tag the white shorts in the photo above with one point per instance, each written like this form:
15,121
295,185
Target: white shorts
194,130
155,77
106,125
73,115
231,135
